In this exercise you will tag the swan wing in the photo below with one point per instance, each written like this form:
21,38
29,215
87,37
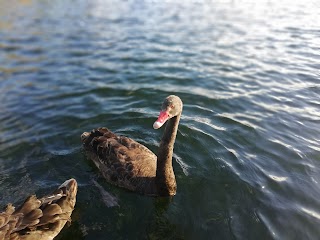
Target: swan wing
121,160
39,218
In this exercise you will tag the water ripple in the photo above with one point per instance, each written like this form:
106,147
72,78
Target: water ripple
247,152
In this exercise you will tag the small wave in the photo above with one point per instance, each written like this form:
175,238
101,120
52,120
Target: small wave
206,121
185,167
311,213
64,152
108,199
277,178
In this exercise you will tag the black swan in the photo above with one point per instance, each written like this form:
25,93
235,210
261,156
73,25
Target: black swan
42,218
128,164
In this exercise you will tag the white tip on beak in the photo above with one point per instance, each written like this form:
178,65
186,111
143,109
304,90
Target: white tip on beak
157,125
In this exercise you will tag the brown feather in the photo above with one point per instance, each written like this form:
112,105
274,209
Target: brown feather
40,218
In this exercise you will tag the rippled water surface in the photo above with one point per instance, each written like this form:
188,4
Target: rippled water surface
247,155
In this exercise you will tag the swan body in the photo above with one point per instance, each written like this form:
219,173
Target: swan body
128,164
39,218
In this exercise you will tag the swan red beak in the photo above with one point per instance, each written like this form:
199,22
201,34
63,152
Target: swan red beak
163,117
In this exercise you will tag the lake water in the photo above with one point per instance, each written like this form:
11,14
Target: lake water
247,154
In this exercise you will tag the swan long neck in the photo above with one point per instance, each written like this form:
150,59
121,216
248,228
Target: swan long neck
165,179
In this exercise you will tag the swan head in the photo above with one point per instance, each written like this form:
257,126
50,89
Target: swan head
171,107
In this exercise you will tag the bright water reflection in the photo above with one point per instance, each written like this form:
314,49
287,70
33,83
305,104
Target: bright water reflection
247,152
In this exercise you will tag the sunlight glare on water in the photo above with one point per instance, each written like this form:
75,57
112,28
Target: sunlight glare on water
247,154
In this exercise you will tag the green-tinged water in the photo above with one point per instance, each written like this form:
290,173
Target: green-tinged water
247,154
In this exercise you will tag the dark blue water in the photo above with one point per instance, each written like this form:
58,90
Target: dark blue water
247,155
